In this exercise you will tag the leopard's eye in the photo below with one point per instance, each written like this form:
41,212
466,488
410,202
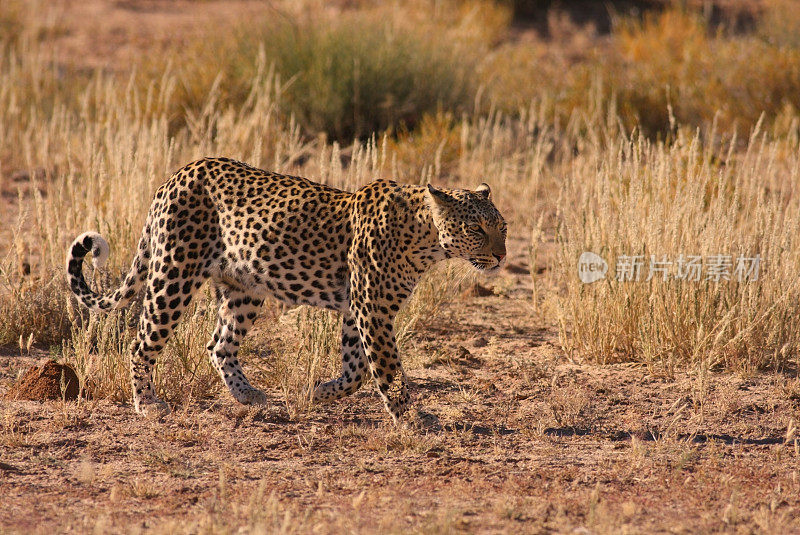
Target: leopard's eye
475,229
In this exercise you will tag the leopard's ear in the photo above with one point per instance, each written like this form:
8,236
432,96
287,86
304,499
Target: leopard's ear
484,191
438,196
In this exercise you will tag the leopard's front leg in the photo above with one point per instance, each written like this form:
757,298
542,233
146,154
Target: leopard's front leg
377,338
381,279
354,365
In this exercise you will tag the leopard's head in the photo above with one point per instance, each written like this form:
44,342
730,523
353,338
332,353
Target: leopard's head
469,226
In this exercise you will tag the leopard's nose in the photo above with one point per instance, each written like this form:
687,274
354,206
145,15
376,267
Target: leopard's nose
499,257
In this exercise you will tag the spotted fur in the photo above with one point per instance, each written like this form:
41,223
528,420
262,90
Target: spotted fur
254,234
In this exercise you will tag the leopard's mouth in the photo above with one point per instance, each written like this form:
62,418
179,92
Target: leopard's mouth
485,267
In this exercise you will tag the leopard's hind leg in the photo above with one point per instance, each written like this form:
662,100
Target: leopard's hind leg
237,311
169,292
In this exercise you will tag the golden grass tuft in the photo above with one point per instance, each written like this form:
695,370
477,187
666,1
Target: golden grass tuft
664,67
638,197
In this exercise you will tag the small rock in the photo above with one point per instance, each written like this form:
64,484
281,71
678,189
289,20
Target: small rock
479,290
465,358
45,382
479,341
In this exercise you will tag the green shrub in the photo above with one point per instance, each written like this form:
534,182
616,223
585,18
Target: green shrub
348,78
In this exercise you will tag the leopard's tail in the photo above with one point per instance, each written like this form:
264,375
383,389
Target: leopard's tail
98,246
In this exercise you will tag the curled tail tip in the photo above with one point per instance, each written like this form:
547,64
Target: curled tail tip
90,242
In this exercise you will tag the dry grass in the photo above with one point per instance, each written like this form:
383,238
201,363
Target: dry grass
666,137
688,198
669,66
349,75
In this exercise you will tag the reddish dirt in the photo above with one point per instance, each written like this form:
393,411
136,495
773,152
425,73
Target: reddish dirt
47,381
509,435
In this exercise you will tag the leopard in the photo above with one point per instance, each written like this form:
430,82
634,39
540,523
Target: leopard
255,235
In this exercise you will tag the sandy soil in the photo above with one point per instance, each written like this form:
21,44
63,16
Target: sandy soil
510,436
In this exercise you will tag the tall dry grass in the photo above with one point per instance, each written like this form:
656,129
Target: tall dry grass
350,75
637,197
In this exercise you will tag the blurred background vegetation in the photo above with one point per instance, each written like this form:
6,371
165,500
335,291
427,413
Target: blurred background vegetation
353,69
651,63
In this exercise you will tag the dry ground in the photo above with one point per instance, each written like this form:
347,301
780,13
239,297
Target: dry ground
511,436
